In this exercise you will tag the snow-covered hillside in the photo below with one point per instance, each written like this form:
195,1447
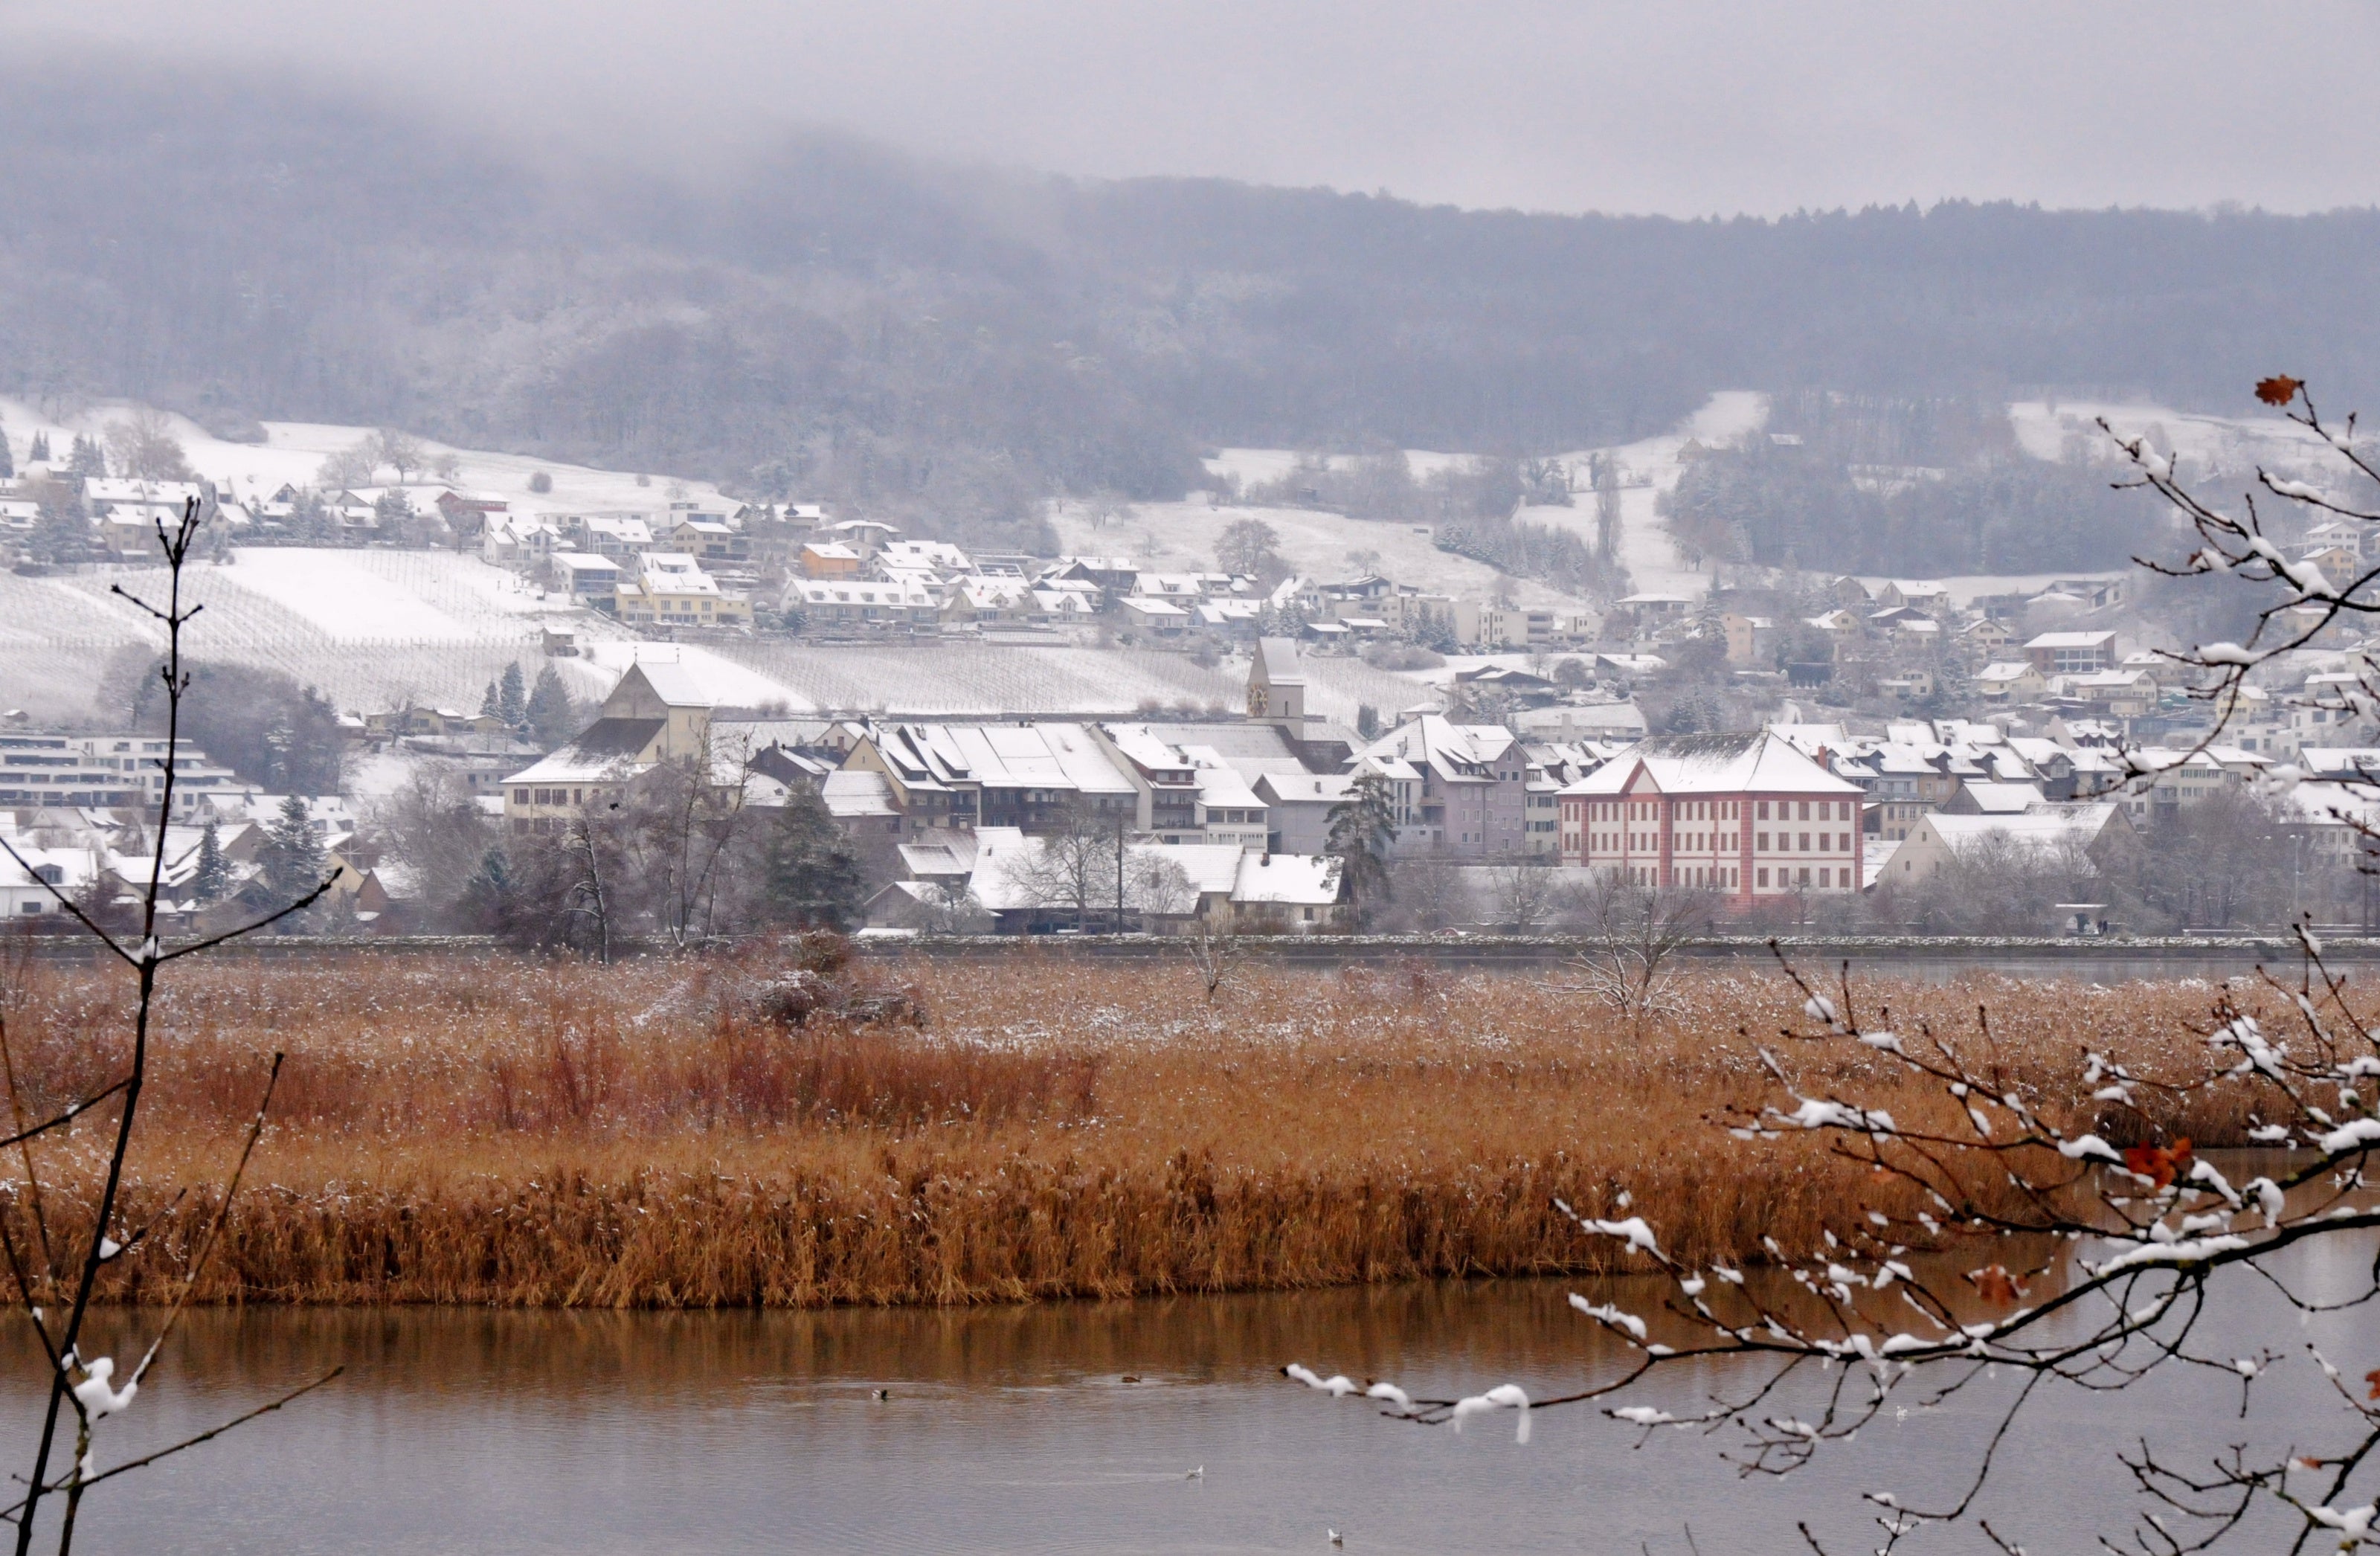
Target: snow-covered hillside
1322,544
294,452
2063,429
370,628
1183,537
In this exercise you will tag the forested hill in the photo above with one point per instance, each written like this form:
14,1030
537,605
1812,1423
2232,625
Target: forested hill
843,320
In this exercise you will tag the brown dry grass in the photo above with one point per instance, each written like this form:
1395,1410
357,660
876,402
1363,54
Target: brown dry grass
491,1131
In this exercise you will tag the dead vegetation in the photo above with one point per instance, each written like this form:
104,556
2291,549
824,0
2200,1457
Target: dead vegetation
653,1135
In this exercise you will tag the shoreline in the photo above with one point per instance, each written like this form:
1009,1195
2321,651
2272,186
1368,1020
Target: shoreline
517,1132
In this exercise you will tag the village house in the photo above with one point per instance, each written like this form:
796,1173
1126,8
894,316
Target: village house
2079,833
1745,816
1468,785
658,712
2072,654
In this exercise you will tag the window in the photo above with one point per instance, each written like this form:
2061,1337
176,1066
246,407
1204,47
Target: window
1824,839
1822,878
1764,815
1806,814
1760,878
1805,875
1806,848
1844,843
1761,842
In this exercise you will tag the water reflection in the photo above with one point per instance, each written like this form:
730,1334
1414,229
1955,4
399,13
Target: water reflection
1057,1427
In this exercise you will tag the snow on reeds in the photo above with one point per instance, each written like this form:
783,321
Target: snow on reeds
497,1131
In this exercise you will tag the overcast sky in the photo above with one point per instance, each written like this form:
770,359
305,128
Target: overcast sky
1685,106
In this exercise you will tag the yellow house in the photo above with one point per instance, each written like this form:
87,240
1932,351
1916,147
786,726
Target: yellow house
658,712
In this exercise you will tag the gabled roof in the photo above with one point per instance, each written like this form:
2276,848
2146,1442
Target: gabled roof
606,748
1276,660
1713,764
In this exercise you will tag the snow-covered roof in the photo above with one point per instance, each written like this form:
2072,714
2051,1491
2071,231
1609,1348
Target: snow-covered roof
1296,880
1713,764
2003,799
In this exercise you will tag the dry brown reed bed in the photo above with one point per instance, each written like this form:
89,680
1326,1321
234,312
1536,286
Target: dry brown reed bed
490,1131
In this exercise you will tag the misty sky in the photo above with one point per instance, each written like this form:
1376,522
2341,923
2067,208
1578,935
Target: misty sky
1686,107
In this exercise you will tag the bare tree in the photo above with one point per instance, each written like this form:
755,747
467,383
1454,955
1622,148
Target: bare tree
1525,892
1214,954
58,1303
143,446
1634,934
349,468
2127,1266
1078,866
401,452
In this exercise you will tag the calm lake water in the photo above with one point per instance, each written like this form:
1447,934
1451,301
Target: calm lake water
1014,1430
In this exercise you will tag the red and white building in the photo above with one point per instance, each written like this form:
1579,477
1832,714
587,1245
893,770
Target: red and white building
1746,816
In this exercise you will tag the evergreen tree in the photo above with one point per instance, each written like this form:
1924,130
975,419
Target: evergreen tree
212,883
512,705
40,453
489,707
550,714
490,903
60,527
810,869
1363,826
293,855
86,458
310,520
7,466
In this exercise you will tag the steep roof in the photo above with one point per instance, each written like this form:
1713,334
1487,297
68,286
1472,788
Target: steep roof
602,750
1277,659
1715,764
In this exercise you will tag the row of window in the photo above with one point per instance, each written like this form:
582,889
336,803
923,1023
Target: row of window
1719,810
1703,842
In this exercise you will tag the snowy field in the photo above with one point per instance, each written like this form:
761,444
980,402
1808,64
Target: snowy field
369,629
1321,544
1181,538
971,680
2053,430
294,452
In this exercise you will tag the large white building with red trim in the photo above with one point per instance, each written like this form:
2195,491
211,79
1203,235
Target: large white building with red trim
1746,816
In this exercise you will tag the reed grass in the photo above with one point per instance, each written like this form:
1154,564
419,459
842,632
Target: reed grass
528,1133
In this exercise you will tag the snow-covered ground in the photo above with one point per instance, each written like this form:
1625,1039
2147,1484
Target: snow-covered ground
369,629
2063,428
1183,537
294,452
1323,544
1648,468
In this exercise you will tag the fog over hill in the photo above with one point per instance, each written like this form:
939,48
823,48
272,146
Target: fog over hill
841,320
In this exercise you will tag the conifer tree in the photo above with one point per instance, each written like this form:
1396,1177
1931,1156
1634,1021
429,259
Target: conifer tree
1363,827
490,707
7,466
293,855
40,453
212,883
550,714
86,458
511,703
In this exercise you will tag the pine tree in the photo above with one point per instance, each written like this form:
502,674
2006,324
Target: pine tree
7,466
488,904
1363,826
86,458
40,453
512,704
212,883
550,714
293,855
812,873
489,706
